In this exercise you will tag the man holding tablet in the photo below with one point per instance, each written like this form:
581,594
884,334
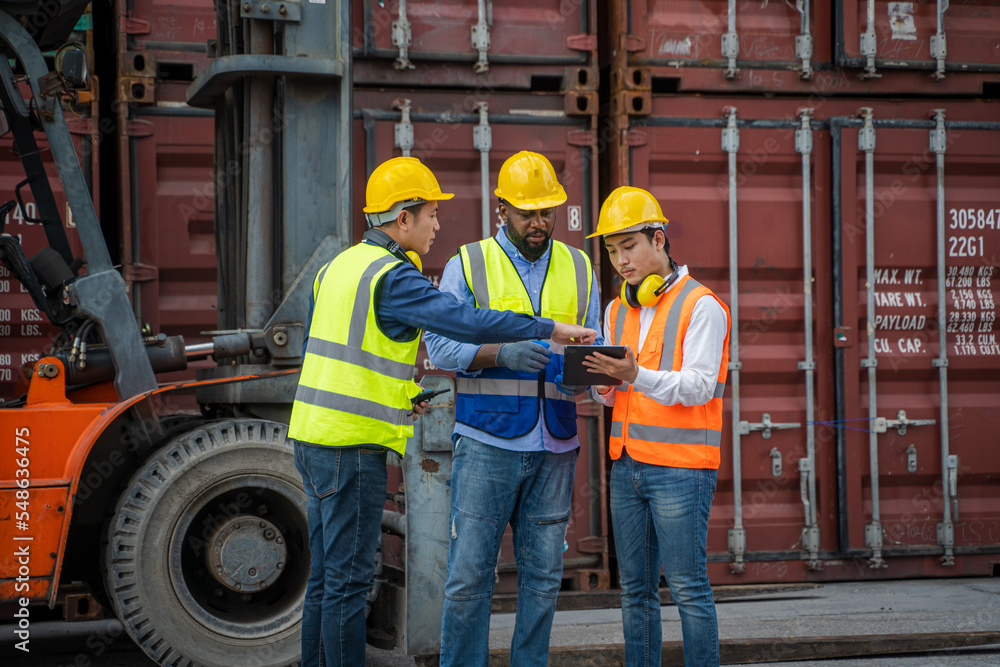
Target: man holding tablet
515,436
666,427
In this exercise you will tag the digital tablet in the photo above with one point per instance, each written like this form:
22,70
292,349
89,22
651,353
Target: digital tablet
575,373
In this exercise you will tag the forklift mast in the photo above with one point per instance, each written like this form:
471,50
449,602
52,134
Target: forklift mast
281,90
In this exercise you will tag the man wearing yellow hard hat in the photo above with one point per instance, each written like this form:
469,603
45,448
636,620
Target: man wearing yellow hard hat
666,428
354,401
515,441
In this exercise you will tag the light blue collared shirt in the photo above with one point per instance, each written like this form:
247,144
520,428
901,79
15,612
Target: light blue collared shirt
449,355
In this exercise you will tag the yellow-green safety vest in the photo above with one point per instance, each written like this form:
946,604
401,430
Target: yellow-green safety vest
356,382
503,402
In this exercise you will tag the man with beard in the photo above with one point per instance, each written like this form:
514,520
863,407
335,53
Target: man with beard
515,441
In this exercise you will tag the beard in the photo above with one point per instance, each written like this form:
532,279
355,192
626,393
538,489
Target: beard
531,247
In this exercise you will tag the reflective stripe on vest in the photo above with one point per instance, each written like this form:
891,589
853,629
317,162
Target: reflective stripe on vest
356,382
671,435
503,402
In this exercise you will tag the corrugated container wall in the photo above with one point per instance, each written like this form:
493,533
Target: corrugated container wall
166,152
546,45
444,131
827,46
25,333
852,446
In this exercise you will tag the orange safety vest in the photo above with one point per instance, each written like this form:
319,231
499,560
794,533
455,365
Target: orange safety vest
669,435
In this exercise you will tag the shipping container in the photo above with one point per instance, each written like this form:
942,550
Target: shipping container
834,467
25,332
543,46
943,39
793,48
464,138
166,195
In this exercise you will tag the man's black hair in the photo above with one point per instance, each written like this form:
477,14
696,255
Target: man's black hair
650,233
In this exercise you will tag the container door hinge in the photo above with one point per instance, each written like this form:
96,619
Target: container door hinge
404,128
401,37
810,532
804,40
140,273
873,540
869,44
737,547
131,26
582,138
82,126
633,138
765,425
630,42
582,42
731,42
939,45
481,40
139,128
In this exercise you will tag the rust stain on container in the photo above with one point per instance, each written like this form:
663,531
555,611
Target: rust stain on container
429,465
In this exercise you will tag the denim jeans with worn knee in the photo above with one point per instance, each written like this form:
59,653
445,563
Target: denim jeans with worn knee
345,494
660,516
489,488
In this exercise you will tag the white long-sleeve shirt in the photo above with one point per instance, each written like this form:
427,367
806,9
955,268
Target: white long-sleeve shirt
694,383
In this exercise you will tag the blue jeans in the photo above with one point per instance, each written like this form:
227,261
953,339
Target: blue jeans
345,494
660,516
489,488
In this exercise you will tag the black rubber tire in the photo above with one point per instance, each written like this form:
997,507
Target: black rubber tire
156,575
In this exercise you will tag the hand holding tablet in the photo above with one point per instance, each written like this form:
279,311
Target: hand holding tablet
593,364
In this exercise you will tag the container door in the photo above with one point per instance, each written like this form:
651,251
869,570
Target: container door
921,240
538,45
942,38
741,196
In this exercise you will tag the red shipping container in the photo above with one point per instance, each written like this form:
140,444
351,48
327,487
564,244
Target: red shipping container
25,332
166,178
792,48
443,127
547,45
946,39
762,514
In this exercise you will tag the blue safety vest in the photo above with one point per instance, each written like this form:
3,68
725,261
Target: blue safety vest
503,402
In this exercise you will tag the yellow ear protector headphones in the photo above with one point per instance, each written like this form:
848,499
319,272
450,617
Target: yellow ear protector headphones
415,260
378,237
648,292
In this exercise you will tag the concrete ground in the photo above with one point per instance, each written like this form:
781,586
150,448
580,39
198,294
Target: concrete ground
857,609
853,609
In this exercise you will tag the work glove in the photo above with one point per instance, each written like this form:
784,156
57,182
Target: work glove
528,356
571,389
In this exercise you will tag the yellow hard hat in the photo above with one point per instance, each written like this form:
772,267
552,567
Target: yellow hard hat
629,207
400,180
528,182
